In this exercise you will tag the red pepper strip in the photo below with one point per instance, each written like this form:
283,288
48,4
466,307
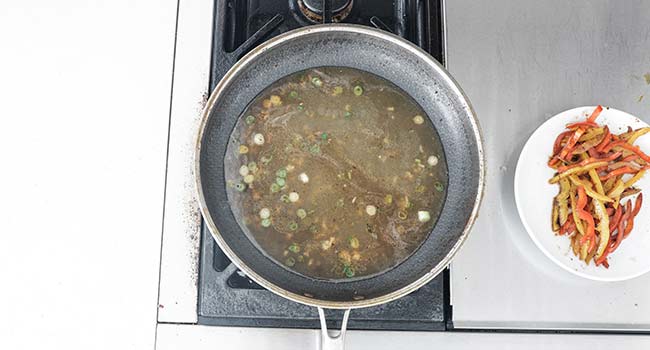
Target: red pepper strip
582,198
619,171
610,211
630,158
590,226
606,139
585,124
613,221
637,204
595,113
557,146
592,153
606,264
589,161
632,148
621,229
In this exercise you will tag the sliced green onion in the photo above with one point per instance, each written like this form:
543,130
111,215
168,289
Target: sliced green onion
314,149
250,119
323,136
265,213
438,186
316,81
293,197
357,90
241,187
290,261
348,271
418,119
243,170
347,115
248,179
275,188
266,222
338,90
388,199
354,242
281,173
301,213
280,181
293,226
301,106
402,215
252,166
294,247
243,149
266,160
293,94
284,198
313,228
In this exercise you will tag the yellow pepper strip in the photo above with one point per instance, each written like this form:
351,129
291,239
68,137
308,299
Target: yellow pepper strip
575,244
633,180
576,170
563,205
615,193
588,190
590,134
584,250
596,180
609,184
636,134
574,212
555,214
603,227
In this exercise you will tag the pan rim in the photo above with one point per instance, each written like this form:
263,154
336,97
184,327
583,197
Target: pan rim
380,35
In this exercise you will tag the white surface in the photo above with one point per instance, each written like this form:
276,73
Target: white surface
85,89
534,197
172,337
521,62
182,223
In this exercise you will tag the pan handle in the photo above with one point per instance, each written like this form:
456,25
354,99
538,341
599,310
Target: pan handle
334,341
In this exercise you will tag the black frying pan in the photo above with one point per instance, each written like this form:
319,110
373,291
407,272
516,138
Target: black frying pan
382,54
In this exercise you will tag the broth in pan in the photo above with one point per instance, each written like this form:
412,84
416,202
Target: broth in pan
336,173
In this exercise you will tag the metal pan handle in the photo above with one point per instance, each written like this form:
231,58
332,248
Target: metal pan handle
334,341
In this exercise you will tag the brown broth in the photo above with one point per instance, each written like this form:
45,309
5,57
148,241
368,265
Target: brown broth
358,153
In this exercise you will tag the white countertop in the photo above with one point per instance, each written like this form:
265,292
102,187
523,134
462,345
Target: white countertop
85,89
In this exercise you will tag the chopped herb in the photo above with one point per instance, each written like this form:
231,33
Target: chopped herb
284,198
280,181
301,213
300,258
290,261
241,187
243,170
250,119
266,160
282,172
301,106
266,222
252,166
294,247
438,186
293,226
316,81
275,188
323,136
348,271
293,94
354,242
314,149
357,90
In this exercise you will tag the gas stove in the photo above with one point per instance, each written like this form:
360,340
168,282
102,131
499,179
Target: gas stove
225,295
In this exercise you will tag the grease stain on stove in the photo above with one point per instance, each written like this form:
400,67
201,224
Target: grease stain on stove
646,77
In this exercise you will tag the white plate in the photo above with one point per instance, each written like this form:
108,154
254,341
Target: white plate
534,197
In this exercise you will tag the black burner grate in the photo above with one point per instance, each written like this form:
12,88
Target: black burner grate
226,295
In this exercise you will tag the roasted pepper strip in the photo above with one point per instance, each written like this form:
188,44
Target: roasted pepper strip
557,145
614,220
574,138
620,171
588,161
634,149
585,124
595,114
636,134
574,211
562,197
555,215
634,179
589,191
596,180
603,227
591,134
605,140
576,170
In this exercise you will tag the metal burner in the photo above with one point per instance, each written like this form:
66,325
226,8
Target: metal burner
313,10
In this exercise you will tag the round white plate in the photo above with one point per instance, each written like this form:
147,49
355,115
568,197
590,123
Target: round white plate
534,198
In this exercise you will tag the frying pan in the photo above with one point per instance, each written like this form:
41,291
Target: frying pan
379,53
